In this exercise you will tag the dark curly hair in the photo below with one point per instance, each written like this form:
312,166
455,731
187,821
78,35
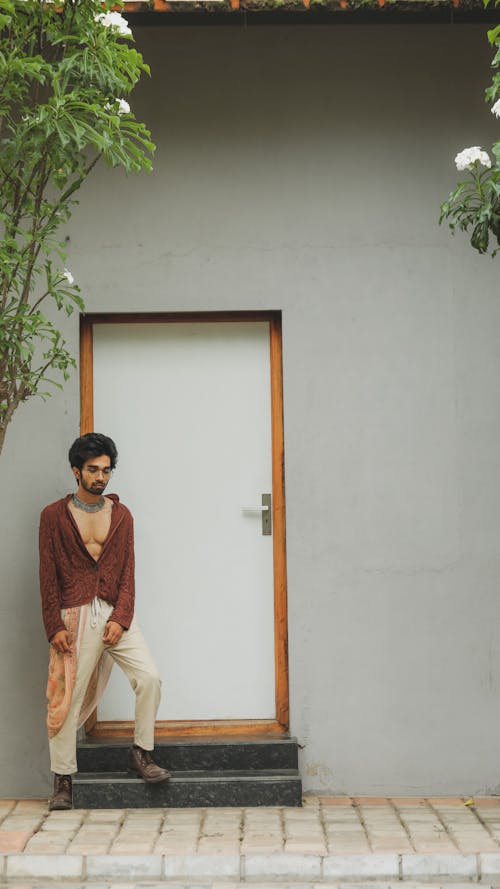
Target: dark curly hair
93,444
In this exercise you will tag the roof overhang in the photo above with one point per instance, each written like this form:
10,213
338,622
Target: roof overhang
308,11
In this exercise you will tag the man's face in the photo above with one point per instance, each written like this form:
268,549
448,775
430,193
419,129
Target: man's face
94,475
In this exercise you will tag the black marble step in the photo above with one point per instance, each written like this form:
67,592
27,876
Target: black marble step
189,755
110,790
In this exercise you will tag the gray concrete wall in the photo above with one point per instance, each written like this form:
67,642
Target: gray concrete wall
302,169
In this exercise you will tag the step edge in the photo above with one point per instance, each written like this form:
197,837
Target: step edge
90,778
118,744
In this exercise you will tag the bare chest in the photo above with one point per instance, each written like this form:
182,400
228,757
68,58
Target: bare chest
93,526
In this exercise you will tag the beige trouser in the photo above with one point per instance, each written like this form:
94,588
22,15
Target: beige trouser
132,655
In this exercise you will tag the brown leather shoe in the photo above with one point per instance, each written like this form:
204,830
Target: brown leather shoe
63,793
142,762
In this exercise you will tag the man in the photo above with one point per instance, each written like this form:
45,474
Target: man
87,589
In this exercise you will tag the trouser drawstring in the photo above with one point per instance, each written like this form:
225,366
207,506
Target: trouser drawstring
95,611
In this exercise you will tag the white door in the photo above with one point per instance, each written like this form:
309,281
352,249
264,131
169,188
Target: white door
188,405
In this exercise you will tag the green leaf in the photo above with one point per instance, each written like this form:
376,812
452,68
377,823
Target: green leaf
493,34
480,237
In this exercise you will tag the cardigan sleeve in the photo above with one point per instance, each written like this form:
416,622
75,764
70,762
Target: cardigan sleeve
49,583
123,611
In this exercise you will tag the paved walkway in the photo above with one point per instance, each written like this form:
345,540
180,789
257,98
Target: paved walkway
330,841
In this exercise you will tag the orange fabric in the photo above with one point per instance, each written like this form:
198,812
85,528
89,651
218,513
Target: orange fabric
62,676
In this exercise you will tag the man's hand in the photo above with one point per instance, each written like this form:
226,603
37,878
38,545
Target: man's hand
61,641
112,633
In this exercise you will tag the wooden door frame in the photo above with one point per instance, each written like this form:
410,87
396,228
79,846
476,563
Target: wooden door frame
220,727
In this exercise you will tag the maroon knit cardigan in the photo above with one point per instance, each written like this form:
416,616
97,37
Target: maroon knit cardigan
69,575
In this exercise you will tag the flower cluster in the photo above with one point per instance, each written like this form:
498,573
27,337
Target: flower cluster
466,159
496,108
114,20
67,276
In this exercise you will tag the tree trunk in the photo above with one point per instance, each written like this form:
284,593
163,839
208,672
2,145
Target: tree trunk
5,420
3,430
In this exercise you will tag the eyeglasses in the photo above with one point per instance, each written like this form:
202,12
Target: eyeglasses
95,470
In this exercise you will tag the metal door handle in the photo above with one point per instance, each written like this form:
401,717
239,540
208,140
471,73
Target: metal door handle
265,509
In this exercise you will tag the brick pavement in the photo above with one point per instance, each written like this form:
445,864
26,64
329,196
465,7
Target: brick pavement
329,840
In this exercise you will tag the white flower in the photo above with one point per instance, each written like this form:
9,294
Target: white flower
123,106
114,20
496,108
68,276
466,159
